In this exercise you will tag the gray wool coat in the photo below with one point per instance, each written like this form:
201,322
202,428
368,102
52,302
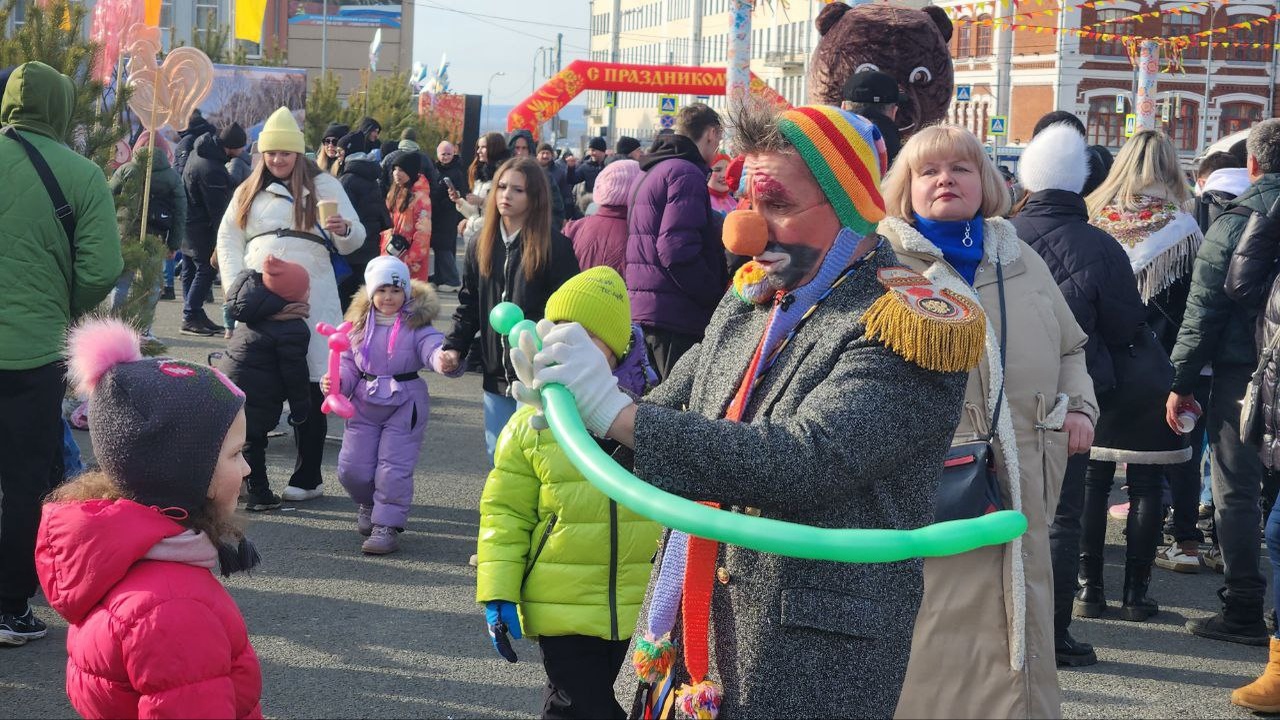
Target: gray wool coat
841,433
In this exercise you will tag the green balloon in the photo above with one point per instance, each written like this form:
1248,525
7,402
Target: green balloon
756,533
504,316
765,534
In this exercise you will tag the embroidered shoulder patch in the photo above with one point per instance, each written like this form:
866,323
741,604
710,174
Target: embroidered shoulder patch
934,328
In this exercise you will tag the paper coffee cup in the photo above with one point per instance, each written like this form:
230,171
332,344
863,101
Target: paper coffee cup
1187,421
326,209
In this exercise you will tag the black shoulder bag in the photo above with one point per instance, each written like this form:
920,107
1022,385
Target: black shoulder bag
969,486
61,208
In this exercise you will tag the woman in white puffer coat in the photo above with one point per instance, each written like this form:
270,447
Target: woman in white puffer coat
264,219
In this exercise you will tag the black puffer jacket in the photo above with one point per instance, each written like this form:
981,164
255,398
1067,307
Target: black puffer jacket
187,142
266,358
360,179
1092,271
1215,328
209,189
506,282
1253,283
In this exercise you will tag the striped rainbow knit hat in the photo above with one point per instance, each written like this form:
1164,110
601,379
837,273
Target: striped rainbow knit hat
847,157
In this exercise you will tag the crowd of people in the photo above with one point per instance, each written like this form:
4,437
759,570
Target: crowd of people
765,328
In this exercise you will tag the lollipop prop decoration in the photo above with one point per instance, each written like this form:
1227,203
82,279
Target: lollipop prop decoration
163,94
339,342
756,533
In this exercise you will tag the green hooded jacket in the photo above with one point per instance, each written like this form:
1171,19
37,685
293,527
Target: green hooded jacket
575,561
1215,329
42,291
165,183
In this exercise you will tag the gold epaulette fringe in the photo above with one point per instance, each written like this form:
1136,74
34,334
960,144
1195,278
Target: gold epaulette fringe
933,328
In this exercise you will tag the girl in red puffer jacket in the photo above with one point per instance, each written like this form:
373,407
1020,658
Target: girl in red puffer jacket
127,554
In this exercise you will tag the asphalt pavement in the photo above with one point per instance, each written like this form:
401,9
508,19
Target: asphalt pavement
340,634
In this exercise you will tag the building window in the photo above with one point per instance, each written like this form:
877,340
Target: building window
20,13
1104,24
206,19
1184,124
963,31
1248,36
1237,116
983,45
1106,126
1179,25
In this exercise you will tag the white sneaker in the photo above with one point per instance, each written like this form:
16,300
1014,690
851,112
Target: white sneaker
297,494
1175,559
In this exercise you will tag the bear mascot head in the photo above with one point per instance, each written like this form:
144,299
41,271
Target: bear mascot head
908,44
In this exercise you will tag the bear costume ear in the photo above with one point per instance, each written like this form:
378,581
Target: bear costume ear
940,17
831,15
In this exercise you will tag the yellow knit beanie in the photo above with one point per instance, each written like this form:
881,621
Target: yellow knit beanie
597,299
281,133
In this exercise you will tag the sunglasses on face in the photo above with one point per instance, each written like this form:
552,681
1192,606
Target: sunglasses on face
329,141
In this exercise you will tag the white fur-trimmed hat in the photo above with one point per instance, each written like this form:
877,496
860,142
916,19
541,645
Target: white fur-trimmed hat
1055,159
386,270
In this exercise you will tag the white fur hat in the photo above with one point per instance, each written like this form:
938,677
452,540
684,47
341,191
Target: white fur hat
386,270
1056,159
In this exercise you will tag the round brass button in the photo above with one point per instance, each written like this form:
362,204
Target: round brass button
722,574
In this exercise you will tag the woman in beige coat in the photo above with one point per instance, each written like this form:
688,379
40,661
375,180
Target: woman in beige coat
983,642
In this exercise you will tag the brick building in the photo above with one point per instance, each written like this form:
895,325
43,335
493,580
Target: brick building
1094,79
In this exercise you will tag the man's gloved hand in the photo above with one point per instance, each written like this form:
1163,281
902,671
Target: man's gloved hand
522,360
503,618
570,358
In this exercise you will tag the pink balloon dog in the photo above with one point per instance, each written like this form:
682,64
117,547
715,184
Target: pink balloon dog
339,341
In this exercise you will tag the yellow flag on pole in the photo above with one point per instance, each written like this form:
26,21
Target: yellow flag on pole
249,16
151,13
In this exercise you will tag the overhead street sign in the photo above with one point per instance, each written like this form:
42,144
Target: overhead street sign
964,93
998,125
667,104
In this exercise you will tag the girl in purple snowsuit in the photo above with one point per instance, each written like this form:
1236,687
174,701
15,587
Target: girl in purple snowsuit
392,339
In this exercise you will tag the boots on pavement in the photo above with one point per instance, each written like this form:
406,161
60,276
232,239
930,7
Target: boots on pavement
1263,695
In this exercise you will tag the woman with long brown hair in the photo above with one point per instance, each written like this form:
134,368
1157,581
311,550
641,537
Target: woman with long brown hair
409,203
491,152
519,258
276,211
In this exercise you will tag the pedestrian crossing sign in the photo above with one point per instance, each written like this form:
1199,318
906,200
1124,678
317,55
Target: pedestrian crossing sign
611,98
964,93
1130,124
998,125
666,104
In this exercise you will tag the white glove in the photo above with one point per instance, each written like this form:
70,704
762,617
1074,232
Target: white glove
570,358
522,361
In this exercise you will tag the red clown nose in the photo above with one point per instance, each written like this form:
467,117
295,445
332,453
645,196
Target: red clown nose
745,233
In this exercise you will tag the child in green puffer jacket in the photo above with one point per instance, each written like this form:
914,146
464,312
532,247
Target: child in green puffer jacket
574,562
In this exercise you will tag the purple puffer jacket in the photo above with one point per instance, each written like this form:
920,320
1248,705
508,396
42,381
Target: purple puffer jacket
600,239
676,272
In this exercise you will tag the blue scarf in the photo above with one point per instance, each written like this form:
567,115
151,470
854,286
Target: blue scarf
948,235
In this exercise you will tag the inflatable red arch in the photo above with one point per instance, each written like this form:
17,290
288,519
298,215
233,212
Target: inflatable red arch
587,75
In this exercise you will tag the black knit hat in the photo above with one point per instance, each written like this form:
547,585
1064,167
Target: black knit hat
354,143
410,163
598,143
335,131
157,424
627,145
233,137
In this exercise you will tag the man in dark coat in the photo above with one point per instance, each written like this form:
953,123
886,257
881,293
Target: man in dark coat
236,142
1220,178
874,96
815,436
588,169
197,127
1093,273
676,270
209,188
360,178
445,217
1216,330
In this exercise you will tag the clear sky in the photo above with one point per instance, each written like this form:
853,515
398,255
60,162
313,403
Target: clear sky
487,36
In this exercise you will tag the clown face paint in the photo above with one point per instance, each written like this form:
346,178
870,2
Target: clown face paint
802,224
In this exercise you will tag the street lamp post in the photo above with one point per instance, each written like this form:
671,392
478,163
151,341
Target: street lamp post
1208,76
489,95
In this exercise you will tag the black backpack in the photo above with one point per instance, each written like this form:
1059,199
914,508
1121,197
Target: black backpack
160,214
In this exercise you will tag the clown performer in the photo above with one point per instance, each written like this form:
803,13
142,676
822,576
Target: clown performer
825,393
